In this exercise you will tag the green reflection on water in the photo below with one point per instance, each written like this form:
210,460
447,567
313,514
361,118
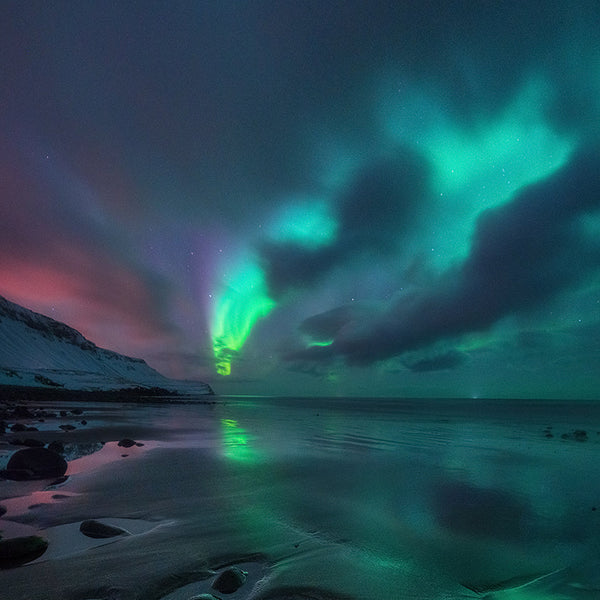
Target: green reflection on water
236,444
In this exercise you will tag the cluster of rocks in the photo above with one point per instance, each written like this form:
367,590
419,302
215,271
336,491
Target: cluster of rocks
35,461
41,461
12,415
577,435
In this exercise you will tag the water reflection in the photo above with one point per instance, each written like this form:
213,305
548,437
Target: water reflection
236,442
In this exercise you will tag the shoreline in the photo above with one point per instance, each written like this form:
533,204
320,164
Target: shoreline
15,394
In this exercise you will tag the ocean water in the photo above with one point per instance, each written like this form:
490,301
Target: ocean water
325,498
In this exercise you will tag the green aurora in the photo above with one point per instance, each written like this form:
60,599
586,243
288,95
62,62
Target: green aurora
473,170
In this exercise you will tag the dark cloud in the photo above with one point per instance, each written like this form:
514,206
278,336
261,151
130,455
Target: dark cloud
439,362
375,212
325,326
381,202
523,253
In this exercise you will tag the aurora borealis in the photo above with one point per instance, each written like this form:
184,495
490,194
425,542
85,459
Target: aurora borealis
306,198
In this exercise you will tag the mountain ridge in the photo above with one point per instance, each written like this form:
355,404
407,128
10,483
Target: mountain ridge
39,351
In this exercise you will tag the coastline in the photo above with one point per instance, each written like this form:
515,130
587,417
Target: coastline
143,395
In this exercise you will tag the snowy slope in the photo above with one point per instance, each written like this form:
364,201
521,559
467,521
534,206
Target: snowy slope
38,351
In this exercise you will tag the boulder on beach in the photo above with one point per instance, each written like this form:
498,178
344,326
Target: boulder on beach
126,443
34,463
96,529
56,446
21,550
229,580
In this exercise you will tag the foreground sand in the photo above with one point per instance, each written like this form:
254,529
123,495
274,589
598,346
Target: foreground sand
177,501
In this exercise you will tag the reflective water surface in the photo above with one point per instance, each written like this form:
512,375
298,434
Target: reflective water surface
361,498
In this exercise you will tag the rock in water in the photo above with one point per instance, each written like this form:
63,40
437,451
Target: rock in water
21,550
229,580
95,529
35,463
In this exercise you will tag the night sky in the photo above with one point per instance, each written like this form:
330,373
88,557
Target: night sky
311,197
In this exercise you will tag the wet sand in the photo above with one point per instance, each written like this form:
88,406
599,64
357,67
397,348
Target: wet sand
172,494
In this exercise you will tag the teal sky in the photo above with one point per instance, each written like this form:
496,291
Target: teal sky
305,198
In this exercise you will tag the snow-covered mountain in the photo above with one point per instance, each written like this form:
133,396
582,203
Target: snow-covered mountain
36,350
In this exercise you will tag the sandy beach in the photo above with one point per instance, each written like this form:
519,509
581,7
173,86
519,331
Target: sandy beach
169,496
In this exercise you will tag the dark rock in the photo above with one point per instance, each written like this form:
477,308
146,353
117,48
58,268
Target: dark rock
32,429
579,435
56,446
96,529
63,413
17,474
126,443
139,444
66,427
204,597
83,422
21,550
23,412
229,580
18,427
77,411
2,510
33,443
35,463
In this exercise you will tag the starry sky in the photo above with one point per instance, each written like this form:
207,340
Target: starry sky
308,197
